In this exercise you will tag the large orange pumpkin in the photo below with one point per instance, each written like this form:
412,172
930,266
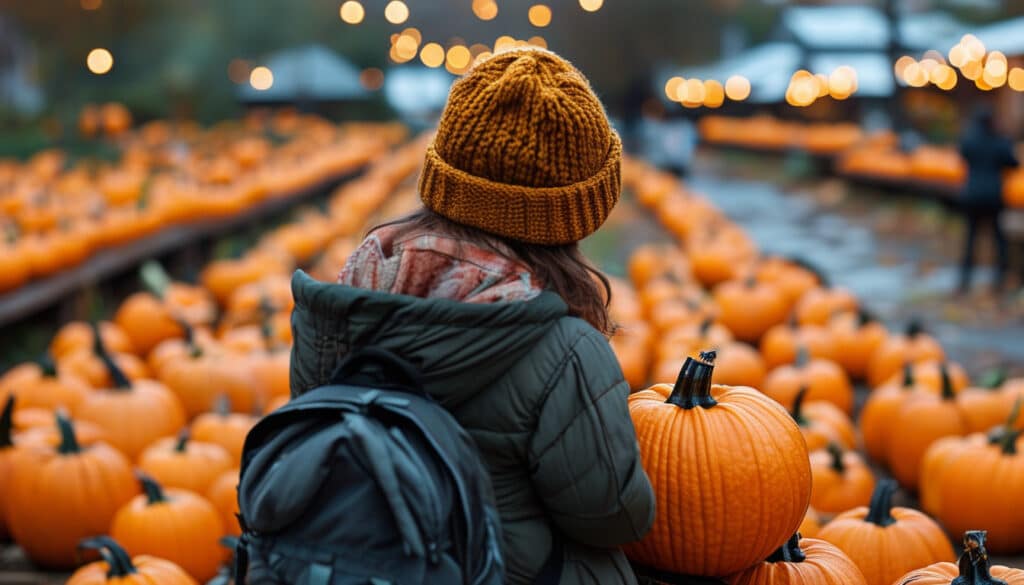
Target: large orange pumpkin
841,480
973,568
886,542
177,525
977,482
147,321
695,430
223,427
117,568
186,464
40,385
205,374
60,495
803,561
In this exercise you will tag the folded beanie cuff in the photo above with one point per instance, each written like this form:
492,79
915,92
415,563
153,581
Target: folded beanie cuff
535,215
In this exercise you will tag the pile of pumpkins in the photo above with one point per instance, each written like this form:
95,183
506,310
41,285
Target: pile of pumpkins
747,435
126,438
858,154
56,212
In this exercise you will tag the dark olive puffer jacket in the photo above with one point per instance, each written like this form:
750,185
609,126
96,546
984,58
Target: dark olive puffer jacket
542,395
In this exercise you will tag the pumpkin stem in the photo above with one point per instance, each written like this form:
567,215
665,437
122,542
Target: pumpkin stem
908,375
693,386
1007,435
222,407
46,364
118,562
947,384
183,437
837,458
144,192
994,378
789,552
798,407
974,562
802,356
154,491
705,326
806,265
68,441
155,278
914,328
751,281
864,318
121,382
6,423
880,510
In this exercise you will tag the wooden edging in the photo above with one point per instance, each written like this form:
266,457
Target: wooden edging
36,295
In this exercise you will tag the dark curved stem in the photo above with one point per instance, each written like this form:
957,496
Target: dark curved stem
995,377
47,365
222,407
880,510
7,423
118,562
798,407
183,437
837,458
705,326
802,356
914,328
947,384
1006,436
154,492
908,375
68,441
789,552
864,317
155,278
121,382
693,387
974,562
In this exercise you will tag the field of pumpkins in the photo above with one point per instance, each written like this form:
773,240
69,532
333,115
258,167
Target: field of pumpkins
790,437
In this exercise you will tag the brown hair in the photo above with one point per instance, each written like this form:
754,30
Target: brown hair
562,269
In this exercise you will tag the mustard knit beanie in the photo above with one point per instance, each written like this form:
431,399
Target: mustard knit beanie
524,151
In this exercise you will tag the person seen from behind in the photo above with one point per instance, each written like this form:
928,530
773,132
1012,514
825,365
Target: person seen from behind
485,290
988,155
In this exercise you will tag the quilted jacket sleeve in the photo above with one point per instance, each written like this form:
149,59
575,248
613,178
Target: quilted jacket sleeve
584,456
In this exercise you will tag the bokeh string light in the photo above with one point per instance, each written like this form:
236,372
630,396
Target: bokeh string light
99,61
352,12
261,78
396,12
539,15
591,5
485,9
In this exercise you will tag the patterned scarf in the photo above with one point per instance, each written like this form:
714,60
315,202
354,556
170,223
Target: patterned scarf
435,266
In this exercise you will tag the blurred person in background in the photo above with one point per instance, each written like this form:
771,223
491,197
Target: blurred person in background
988,155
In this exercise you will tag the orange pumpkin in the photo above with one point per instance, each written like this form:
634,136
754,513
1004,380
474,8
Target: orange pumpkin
749,308
203,375
177,525
914,346
58,496
78,335
822,423
793,278
928,374
973,568
147,321
823,379
855,338
803,561
117,568
223,494
40,385
811,525
879,413
841,480
922,419
780,343
737,364
132,414
818,305
186,464
886,542
89,367
992,471
740,525
223,427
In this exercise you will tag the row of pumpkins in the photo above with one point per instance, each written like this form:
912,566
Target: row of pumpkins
874,155
55,213
753,445
126,438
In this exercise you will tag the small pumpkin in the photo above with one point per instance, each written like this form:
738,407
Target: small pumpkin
40,385
183,463
928,374
147,321
913,346
973,568
206,373
60,495
749,308
978,481
823,380
841,480
886,542
922,419
811,524
77,335
223,427
818,305
803,561
822,423
117,568
88,366
879,413
793,278
677,427
780,344
223,494
173,524
855,338
132,414
985,408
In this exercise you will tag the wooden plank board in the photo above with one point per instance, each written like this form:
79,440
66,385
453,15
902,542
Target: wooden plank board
40,294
